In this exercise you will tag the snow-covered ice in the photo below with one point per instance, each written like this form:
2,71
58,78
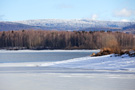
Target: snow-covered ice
107,62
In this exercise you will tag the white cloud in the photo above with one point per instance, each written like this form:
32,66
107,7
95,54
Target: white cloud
125,20
94,16
124,13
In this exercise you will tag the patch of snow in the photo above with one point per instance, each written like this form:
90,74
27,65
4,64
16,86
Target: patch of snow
132,52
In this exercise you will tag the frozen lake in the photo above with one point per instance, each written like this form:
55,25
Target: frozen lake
65,79
58,78
7,56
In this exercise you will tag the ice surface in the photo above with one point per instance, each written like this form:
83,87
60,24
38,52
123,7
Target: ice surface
23,51
107,62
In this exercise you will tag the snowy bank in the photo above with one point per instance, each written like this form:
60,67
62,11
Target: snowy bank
107,62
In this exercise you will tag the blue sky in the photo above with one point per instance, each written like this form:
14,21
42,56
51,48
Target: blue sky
116,10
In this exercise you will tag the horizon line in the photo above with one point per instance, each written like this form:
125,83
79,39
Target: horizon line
64,19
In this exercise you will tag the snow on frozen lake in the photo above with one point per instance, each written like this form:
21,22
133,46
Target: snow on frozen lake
107,62
78,73
66,81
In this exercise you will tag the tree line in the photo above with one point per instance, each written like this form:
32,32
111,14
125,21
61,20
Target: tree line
39,39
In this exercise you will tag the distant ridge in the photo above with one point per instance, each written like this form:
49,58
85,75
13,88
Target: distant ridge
61,24
6,26
130,28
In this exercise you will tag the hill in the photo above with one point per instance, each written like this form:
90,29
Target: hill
6,26
130,28
67,25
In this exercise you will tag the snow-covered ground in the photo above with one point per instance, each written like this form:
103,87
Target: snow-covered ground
107,62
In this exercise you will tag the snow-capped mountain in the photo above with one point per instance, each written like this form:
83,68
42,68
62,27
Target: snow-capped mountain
72,24
75,24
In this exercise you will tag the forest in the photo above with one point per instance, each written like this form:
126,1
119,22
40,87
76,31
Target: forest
39,39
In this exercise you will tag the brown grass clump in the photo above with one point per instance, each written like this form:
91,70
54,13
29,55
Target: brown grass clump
119,52
107,51
93,54
104,51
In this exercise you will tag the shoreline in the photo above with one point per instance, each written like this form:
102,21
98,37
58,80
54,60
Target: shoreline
21,48
48,50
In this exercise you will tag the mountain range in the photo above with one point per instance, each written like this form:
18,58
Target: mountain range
68,25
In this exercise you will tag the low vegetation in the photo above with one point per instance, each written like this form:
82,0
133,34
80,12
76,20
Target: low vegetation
117,52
